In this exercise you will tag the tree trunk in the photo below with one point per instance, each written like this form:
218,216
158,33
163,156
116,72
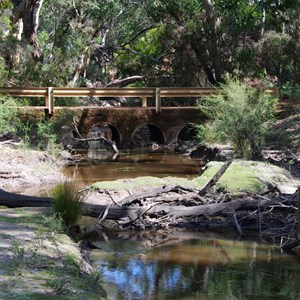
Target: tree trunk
29,12
213,42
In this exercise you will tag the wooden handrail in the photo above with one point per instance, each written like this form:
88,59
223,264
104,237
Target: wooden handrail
49,93
107,92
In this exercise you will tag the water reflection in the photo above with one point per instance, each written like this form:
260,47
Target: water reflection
99,154
202,269
98,166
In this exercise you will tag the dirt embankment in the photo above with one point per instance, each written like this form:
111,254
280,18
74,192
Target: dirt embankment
27,171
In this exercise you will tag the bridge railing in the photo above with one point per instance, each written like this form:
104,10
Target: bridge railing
49,93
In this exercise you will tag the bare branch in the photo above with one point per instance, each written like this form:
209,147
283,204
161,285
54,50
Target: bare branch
140,33
137,53
125,81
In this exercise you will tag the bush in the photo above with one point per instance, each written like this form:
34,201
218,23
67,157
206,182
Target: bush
241,115
47,139
67,203
8,116
51,132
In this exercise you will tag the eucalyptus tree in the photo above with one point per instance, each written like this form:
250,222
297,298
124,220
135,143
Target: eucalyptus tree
279,48
84,42
162,42
76,42
208,38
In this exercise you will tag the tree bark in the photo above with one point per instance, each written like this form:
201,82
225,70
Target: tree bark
213,42
29,11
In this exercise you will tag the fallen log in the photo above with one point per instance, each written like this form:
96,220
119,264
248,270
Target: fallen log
13,200
133,212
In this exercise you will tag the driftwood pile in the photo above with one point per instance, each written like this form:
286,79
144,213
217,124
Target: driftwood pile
271,214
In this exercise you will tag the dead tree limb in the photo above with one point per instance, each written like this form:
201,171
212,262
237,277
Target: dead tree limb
154,193
139,214
215,178
101,138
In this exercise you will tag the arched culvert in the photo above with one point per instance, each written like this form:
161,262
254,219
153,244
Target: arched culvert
107,131
187,133
148,134
116,136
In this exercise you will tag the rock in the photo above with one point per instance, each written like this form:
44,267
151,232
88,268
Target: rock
205,153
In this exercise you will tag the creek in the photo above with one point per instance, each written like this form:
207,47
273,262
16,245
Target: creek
97,165
200,268
181,264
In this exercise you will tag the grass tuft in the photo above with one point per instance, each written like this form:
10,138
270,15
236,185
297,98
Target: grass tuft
67,203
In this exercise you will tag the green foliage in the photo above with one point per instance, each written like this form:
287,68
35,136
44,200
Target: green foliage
18,257
52,224
58,286
93,283
51,132
149,48
3,71
67,203
290,90
48,140
170,42
276,52
241,115
8,116
24,130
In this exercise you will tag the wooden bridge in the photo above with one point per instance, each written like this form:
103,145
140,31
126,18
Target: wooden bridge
49,93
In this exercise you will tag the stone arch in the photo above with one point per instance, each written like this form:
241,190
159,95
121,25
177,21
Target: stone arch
148,133
187,133
110,132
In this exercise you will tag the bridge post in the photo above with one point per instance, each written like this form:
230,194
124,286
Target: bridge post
144,101
49,100
158,100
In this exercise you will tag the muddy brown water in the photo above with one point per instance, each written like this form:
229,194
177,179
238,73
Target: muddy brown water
193,267
99,166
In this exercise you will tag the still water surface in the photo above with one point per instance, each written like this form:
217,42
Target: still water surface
197,269
94,166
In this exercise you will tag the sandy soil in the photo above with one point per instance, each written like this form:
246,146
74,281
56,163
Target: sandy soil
27,171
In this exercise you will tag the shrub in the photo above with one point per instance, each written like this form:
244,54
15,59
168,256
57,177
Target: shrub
67,203
241,115
47,139
8,116
51,132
